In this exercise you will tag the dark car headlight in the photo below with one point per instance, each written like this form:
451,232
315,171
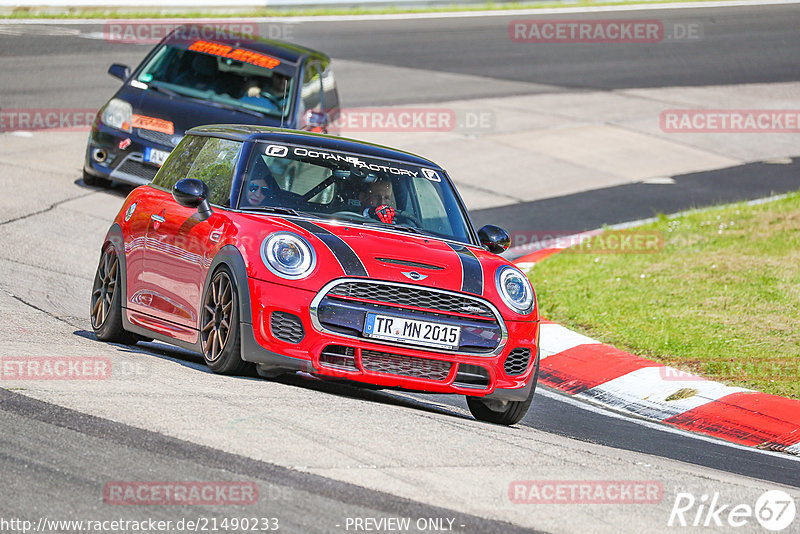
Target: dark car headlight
515,289
118,114
288,255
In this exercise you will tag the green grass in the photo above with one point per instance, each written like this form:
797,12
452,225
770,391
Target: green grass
100,13
721,299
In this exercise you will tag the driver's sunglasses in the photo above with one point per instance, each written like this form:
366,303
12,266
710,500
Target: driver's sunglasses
255,187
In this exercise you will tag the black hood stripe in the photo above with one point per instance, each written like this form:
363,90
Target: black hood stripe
346,256
471,270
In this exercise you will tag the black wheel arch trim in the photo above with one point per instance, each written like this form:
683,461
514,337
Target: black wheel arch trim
519,394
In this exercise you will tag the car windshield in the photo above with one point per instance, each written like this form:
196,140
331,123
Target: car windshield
223,76
353,188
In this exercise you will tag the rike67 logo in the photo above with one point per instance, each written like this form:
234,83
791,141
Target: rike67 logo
774,510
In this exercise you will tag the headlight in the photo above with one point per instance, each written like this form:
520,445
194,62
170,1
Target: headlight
288,255
118,114
515,289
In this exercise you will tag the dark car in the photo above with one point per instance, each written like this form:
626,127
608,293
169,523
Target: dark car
186,82
290,251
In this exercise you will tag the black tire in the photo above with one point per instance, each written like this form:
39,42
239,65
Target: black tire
220,338
510,413
105,310
95,181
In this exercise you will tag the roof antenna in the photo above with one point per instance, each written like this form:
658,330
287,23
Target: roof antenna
285,90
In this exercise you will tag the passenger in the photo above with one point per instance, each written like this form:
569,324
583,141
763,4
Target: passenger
256,191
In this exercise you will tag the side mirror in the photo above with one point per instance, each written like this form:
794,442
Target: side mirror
316,121
494,238
122,72
193,193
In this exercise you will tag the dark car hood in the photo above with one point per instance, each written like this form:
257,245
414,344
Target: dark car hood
185,113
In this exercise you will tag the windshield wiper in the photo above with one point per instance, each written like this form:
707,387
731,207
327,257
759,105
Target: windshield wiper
401,227
231,107
211,101
273,209
162,89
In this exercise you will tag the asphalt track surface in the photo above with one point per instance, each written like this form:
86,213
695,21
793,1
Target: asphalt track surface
747,45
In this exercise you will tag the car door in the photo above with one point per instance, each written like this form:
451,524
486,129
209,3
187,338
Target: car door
180,248
146,220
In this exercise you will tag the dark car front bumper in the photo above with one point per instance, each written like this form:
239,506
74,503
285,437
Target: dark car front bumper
108,157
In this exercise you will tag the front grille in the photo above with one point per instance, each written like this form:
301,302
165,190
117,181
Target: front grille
339,357
517,361
286,327
137,168
156,137
471,376
412,296
384,362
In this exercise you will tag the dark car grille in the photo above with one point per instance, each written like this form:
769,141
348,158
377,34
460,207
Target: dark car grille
385,362
156,137
412,296
286,327
137,168
517,361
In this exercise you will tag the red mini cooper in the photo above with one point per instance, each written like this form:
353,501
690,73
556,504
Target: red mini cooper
291,251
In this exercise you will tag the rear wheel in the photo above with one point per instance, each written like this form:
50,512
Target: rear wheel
106,308
219,331
503,412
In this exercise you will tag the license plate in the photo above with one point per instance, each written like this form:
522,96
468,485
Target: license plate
391,328
156,157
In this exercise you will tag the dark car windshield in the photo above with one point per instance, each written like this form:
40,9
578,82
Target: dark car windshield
350,187
222,75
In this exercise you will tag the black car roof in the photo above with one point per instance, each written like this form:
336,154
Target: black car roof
243,132
288,52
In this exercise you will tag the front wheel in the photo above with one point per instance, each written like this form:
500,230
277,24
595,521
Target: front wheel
503,412
219,331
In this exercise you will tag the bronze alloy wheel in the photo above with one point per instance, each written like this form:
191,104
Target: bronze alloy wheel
105,285
217,316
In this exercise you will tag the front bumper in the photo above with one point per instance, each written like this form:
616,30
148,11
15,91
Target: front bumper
125,164
302,346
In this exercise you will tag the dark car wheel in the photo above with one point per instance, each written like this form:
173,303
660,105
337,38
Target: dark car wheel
219,332
92,180
106,308
503,412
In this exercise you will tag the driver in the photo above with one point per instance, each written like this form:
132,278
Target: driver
376,199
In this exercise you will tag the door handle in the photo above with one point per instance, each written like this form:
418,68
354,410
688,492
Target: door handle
157,218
